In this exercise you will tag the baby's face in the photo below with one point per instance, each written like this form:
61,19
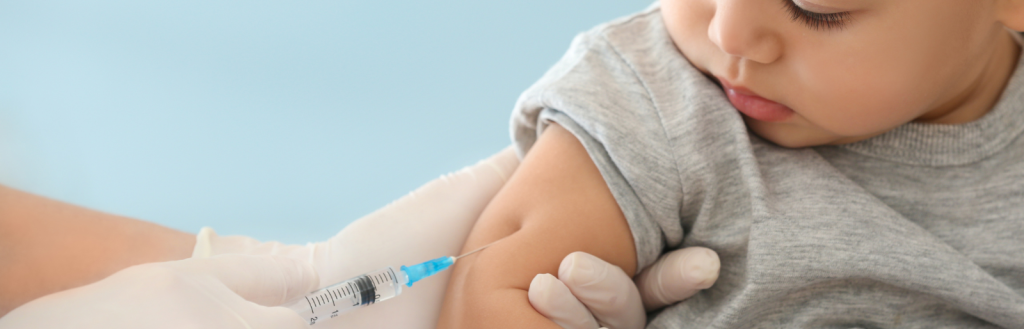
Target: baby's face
814,72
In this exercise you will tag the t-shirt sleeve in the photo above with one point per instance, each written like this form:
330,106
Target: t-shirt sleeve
594,93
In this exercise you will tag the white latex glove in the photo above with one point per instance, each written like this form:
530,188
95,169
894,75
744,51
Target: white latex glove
590,292
231,291
432,221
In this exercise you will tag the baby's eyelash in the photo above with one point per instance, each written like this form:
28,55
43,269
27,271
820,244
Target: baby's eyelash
817,21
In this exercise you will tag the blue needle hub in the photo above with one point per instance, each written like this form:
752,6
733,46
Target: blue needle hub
423,270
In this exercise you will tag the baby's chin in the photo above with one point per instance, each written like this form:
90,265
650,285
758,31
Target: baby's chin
793,135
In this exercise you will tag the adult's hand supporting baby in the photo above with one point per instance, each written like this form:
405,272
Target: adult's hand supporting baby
590,292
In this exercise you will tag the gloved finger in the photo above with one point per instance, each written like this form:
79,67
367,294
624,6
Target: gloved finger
677,276
264,280
551,298
262,317
226,309
605,289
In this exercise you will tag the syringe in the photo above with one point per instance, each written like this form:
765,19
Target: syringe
367,289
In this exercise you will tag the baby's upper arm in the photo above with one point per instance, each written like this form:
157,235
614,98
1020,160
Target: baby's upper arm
554,204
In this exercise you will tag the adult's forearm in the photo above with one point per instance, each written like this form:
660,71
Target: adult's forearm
48,246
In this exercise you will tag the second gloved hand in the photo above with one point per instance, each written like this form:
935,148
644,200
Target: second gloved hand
229,291
590,293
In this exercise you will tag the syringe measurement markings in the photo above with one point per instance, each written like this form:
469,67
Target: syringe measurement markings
310,305
332,298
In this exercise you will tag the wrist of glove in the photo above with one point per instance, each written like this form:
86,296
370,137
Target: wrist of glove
230,291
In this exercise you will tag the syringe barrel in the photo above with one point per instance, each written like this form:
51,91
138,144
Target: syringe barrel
361,291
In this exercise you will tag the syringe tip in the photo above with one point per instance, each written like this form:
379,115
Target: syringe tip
423,270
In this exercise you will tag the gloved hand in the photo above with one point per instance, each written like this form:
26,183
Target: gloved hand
590,292
231,291
432,221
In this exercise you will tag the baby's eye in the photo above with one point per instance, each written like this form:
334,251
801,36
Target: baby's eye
817,21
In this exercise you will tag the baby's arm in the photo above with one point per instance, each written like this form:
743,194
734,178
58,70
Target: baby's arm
555,203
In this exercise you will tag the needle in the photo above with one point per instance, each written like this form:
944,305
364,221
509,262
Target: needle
477,249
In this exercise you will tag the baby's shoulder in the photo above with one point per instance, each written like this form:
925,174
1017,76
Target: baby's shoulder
628,64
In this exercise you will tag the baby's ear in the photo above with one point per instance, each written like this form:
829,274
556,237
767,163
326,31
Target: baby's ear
1011,13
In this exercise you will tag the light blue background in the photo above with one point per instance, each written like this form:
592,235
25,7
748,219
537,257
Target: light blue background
281,120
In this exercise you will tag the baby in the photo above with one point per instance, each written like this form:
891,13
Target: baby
855,163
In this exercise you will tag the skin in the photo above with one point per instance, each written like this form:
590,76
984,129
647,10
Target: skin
47,246
894,61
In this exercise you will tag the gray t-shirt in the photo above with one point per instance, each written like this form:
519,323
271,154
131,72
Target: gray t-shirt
921,227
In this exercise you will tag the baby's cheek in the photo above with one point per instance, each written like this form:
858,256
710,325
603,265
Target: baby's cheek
851,91
853,119
869,107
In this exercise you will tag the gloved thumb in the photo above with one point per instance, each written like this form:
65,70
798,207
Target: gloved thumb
264,280
677,276
553,299
605,289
